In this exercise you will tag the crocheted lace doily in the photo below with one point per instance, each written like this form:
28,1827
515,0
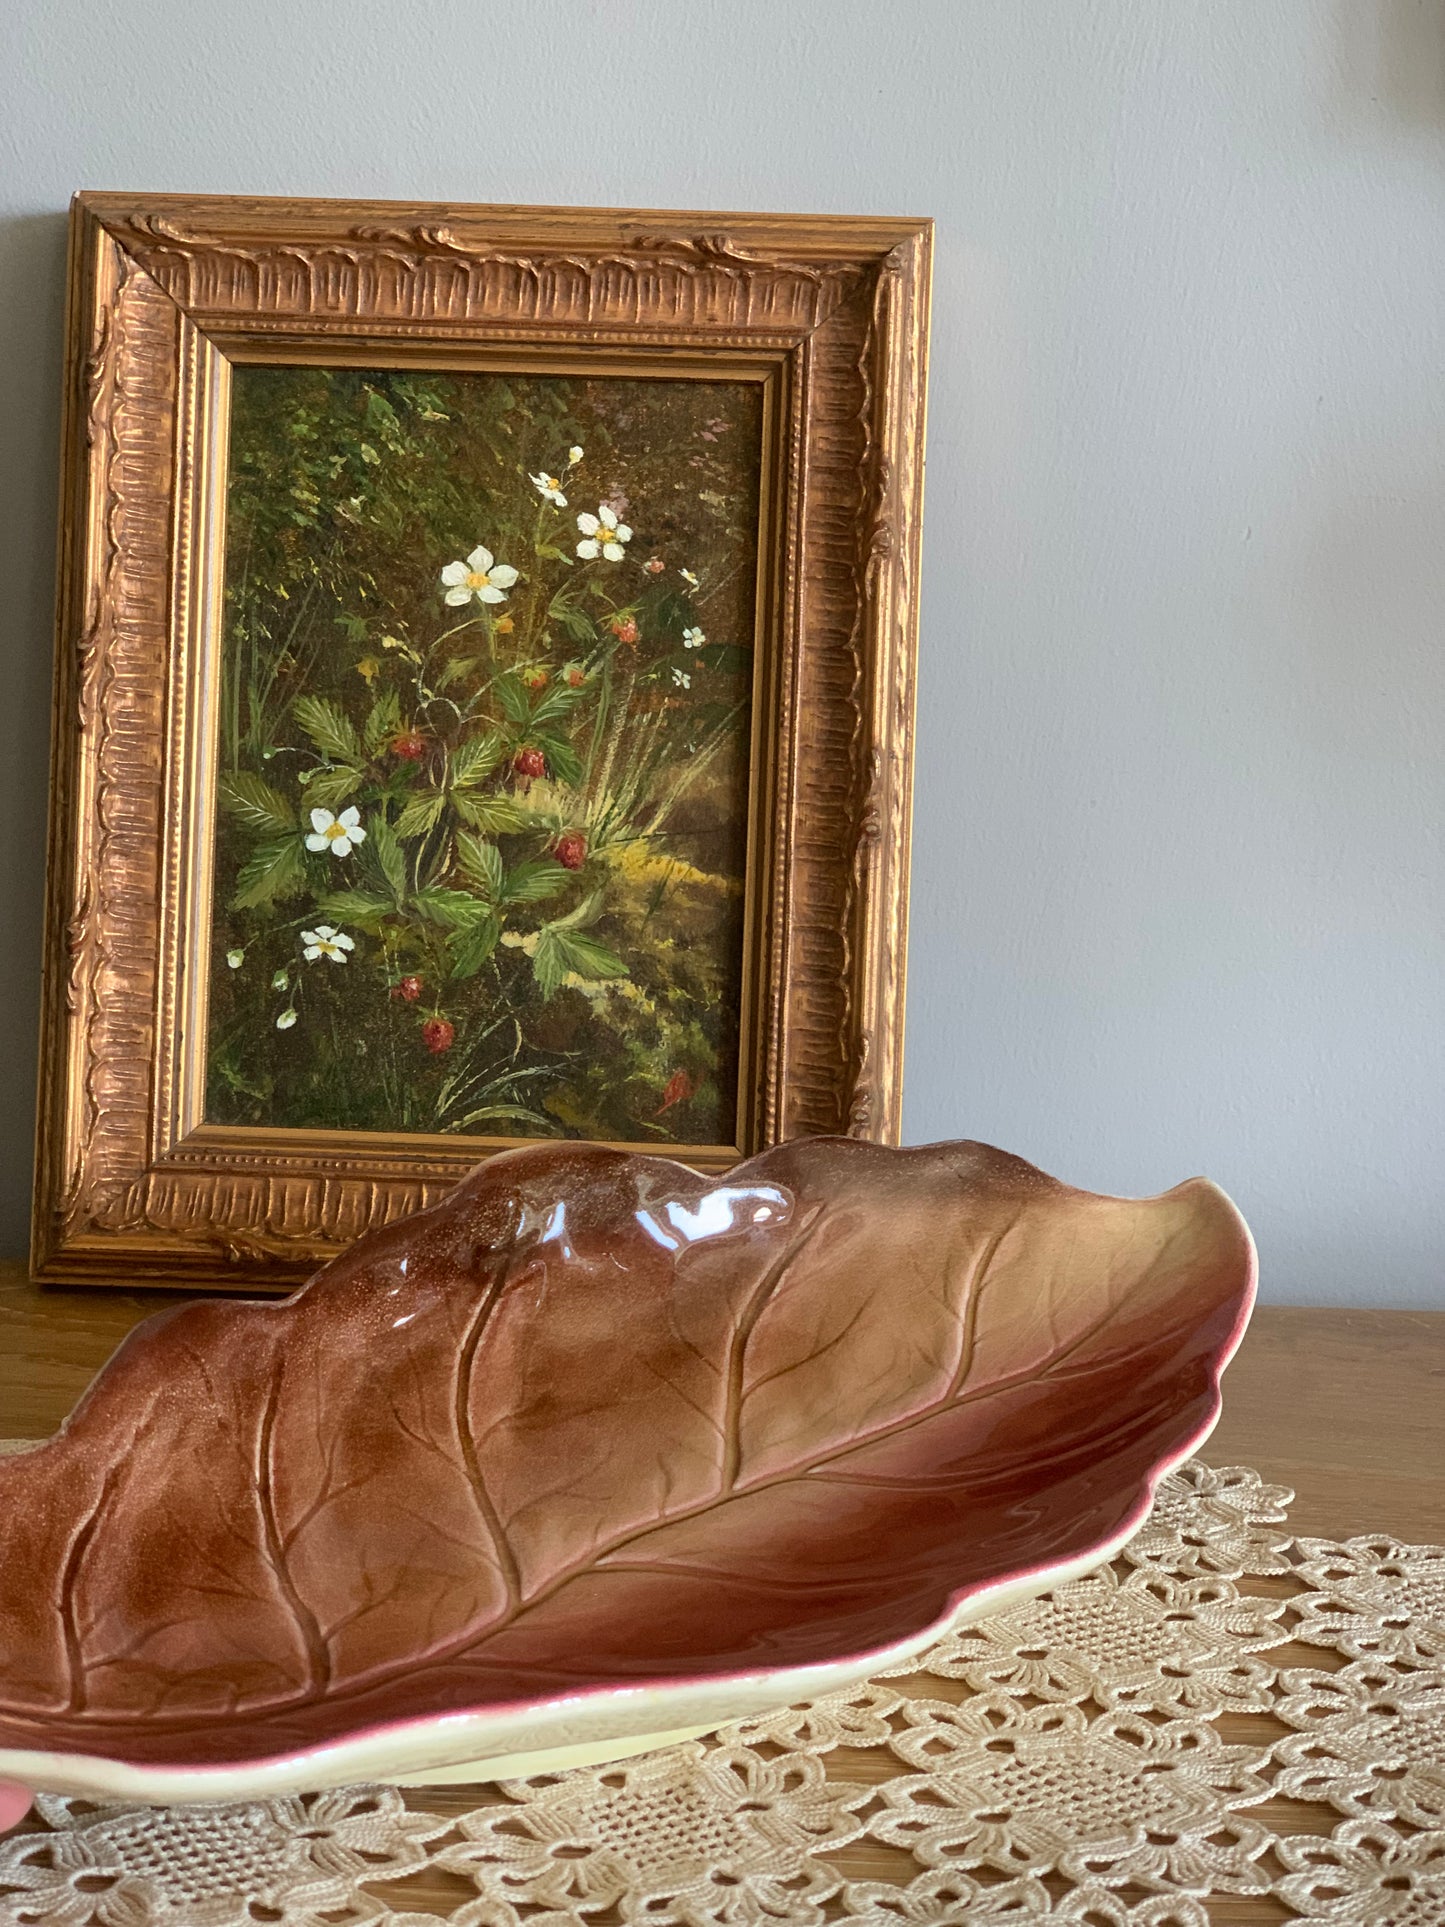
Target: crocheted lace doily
1226,1711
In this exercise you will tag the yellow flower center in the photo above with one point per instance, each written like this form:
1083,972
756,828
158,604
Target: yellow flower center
551,482
475,580
334,832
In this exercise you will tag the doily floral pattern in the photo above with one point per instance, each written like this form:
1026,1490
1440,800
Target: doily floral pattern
1224,1711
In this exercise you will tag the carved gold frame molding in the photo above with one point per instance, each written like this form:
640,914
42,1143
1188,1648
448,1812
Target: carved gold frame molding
167,292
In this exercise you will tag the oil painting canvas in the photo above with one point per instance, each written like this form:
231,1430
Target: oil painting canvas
483,753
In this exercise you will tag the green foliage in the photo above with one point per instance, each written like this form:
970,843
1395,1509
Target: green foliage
495,815
253,800
452,909
474,943
330,730
330,787
533,880
558,702
481,864
563,761
561,950
512,697
471,761
577,623
421,814
384,721
361,907
386,854
273,872
453,671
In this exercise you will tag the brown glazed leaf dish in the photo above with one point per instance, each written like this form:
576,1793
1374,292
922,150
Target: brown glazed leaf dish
596,1452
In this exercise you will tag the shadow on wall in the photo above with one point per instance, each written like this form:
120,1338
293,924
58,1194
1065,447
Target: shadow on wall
32,306
1392,61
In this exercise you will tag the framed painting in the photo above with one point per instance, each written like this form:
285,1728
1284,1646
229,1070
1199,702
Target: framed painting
483,711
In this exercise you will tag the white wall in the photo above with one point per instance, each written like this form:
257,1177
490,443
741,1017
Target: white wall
1178,899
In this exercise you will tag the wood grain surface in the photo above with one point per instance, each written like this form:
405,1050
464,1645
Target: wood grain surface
1348,1407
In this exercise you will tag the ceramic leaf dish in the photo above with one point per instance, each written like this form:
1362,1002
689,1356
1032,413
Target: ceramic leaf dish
596,1452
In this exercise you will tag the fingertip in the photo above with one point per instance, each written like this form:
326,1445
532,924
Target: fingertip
15,1803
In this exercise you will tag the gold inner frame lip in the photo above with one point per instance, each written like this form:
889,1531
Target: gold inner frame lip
183,1134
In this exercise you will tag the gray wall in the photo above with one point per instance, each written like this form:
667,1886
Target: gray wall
1178,898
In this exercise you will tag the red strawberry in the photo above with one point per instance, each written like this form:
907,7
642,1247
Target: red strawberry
678,1087
409,744
529,762
437,1034
570,849
625,630
408,990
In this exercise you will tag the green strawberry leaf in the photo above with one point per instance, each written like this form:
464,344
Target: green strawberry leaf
561,951
512,695
474,760
557,702
452,909
328,728
384,849
275,871
257,805
473,945
495,815
481,861
384,722
563,758
360,907
532,880
421,814
327,787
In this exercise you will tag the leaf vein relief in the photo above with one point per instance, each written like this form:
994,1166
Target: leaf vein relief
481,1459
506,1557
70,1575
738,1352
308,1626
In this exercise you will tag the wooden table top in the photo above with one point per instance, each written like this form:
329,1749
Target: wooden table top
1348,1407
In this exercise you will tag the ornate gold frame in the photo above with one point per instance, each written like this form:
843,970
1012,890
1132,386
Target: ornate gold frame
166,293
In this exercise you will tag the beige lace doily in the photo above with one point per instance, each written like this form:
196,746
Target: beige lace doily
1227,1723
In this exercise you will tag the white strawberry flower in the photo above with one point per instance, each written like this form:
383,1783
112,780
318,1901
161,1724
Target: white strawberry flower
681,679
549,486
339,834
234,959
287,1018
693,638
602,534
574,456
326,942
478,576
688,577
